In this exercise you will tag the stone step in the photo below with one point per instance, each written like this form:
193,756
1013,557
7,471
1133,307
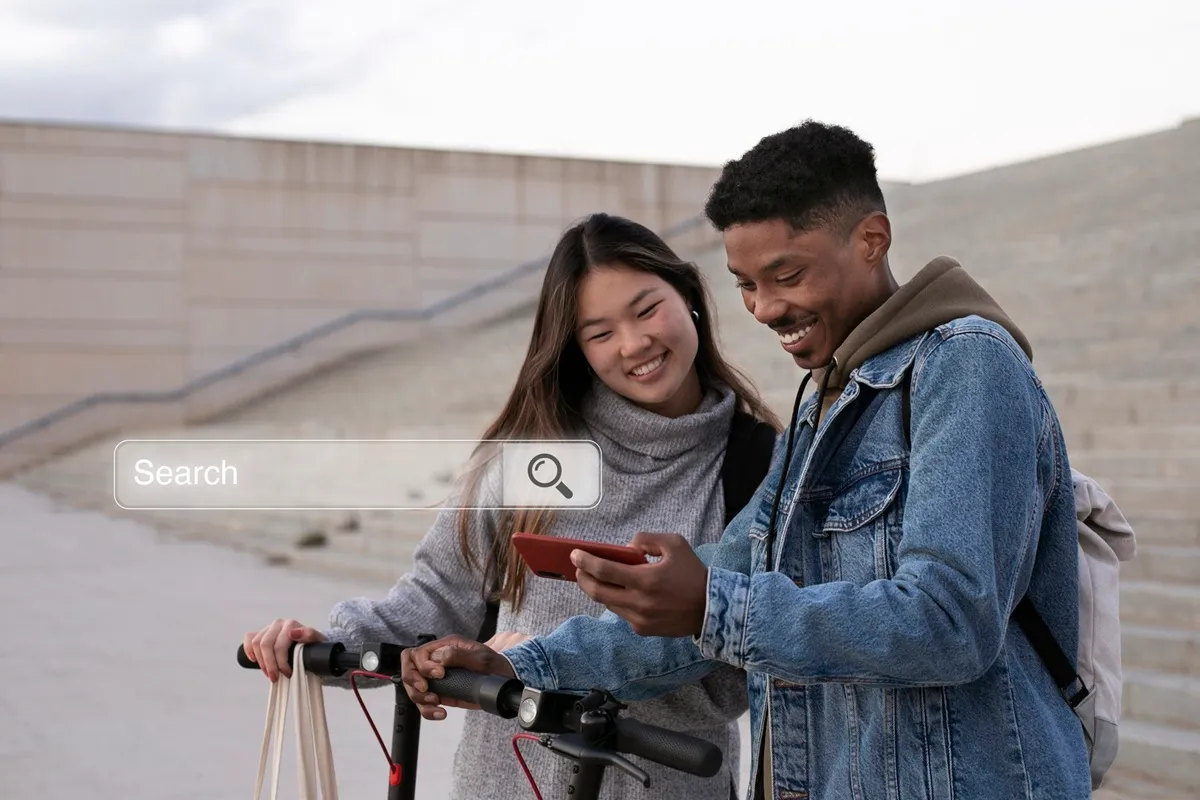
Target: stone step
1089,352
1146,437
1162,563
1097,411
1122,785
1162,698
1117,464
1151,495
1164,754
1083,387
1166,528
1160,605
1162,649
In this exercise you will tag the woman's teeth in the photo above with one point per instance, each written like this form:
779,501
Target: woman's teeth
794,336
649,366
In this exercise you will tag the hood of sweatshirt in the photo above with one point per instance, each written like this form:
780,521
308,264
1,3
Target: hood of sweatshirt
942,291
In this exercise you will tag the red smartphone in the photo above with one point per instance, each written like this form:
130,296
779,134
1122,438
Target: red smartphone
550,556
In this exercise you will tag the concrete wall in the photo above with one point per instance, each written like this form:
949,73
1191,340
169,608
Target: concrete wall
133,260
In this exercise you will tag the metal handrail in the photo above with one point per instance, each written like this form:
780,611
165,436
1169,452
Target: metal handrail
296,342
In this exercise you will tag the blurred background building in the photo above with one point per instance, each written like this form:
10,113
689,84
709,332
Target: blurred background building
301,219
161,284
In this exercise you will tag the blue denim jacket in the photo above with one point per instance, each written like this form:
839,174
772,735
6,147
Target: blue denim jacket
881,642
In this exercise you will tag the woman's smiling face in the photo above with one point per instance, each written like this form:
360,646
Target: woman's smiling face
637,333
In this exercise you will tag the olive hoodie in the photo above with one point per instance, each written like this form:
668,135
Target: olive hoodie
942,291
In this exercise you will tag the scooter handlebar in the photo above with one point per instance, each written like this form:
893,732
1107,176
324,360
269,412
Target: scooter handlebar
502,696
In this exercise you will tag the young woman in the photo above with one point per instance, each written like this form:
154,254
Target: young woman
623,353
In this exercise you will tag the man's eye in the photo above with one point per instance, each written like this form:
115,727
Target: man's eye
744,285
790,278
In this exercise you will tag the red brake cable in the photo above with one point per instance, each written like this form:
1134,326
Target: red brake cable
394,775
517,737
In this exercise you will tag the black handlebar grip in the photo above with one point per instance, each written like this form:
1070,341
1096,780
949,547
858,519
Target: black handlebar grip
459,684
669,748
495,694
320,658
244,659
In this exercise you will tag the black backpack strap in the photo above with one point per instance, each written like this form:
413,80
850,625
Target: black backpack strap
1052,656
747,460
1031,622
488,629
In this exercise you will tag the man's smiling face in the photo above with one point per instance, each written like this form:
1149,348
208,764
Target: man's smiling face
811,287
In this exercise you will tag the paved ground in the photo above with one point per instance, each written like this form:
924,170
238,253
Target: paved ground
117,671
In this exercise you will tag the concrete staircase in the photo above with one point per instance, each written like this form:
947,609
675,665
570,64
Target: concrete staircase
1096,255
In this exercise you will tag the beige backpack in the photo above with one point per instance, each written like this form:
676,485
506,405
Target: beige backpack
1094,689
1105,539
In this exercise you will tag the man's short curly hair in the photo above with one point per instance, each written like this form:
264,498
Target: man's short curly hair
813,176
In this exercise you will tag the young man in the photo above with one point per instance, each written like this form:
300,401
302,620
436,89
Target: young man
868,589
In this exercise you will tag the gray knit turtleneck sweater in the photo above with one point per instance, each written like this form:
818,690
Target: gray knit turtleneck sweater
661,475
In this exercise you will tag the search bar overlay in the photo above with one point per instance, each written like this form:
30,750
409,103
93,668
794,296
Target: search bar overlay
355,474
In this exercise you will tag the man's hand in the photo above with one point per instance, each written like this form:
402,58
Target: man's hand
665,598
430,661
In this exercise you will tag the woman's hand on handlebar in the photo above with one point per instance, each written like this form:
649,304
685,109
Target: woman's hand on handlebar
506,639
269,647
430,661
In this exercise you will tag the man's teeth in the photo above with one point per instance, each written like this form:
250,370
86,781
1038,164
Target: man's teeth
649,366
795,336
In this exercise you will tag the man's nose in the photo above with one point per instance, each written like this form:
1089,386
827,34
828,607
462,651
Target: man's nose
768,309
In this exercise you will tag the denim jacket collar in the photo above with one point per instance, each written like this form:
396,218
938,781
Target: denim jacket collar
882,371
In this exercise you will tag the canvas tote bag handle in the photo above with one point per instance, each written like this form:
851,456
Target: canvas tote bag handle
313,748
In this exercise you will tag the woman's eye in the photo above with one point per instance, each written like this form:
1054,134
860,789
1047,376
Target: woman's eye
649,310
599,336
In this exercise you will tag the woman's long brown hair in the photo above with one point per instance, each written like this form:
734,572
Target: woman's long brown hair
545,400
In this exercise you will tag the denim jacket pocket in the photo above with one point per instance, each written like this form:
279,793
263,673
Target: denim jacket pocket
762,514
859,524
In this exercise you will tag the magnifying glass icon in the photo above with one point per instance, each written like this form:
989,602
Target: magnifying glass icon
548,465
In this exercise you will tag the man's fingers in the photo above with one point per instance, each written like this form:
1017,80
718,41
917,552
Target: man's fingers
604,570
606,594
423,669
414,683
432,713
419,666
657,544
473,656
457,656
410,677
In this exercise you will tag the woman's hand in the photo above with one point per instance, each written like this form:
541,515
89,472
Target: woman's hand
430,661
269,647
505,640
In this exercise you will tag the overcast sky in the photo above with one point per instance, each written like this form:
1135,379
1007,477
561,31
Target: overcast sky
940,87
